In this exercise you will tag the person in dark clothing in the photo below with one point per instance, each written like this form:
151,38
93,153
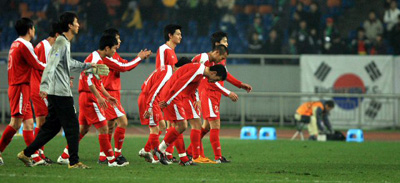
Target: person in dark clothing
378,47
361,44
274,43
336,46
314,18
395,37
55,85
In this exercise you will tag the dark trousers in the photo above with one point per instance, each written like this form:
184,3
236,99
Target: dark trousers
61,114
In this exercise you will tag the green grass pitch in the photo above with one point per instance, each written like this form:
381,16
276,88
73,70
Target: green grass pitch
252,161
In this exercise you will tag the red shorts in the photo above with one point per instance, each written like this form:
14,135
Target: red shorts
20,105
116,111
156,116
210,101
190,111
174,111
90,112
39,105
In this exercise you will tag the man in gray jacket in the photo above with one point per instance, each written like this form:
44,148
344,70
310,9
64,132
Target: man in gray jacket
55,85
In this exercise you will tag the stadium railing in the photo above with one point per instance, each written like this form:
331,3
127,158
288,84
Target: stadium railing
377,111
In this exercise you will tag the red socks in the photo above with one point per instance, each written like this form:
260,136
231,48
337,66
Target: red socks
28,136
214,139
6,138
148,145
105,146
119,136
180,147
195,142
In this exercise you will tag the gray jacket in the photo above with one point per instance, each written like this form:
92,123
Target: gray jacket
56,76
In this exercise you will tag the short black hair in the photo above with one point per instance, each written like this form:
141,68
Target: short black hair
182,61
109,41
111,32
216,37
170,29
66,19
23,25
55,28
221,71
222,49
330,103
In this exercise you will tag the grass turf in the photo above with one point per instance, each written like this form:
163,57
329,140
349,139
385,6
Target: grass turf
252,161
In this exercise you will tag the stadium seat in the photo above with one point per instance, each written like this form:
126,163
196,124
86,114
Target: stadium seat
265,9
355,135
250,9
267,133
248,133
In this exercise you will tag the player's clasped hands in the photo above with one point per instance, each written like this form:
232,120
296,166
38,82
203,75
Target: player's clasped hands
43,94
143,54
147,114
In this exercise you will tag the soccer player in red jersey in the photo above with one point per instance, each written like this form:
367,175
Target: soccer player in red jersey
21,60
149,110
166,52
210,95
183,82
112,83
192,103
42,50
93,99
166,56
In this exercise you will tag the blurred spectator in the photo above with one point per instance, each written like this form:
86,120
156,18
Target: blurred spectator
300,10
52,9
303,39
330,28
205,12
294,23
274,43
225,8
361,44
386,4
395,37
372,26
255,44
336,46
291,48
378,47
257,27
391,15
314,17
315,42
131,17
278,23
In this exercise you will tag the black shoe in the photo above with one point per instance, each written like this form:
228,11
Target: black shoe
48,160
189,156
222,160
122,160
174,160
161,156
104,162
187,163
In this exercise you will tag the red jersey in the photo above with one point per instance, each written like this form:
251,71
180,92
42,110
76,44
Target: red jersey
42,50
112,82
183,82
88,80
21,60
203,58
154,83
165,56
